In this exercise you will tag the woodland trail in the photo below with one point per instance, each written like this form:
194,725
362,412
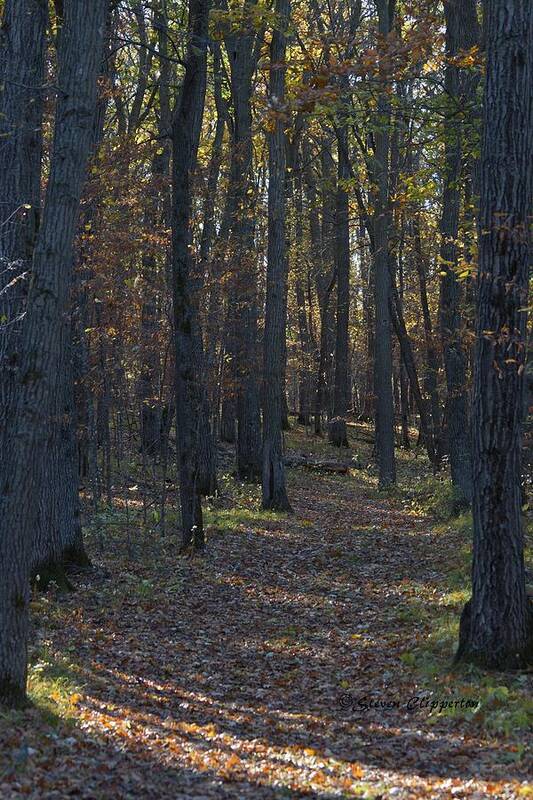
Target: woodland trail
244,673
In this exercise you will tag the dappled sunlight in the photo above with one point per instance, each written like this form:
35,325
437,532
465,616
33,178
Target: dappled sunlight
283,660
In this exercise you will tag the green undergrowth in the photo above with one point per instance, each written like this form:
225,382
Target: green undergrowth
505,706
54,686
54,679
237,506
436,497
237,518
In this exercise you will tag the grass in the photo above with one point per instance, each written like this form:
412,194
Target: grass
505,706
54,686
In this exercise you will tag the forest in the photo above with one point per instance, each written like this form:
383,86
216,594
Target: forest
266,399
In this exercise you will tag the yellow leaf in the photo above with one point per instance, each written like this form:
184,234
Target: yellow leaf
233,761
357,770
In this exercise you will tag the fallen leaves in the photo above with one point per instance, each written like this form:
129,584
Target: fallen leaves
222,677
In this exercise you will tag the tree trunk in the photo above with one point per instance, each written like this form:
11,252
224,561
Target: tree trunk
342,266
150,400
497,623
26,437
243,293
410,366
186,129
22,53
461,34
22,64
367,279
382,340
274,490
432,356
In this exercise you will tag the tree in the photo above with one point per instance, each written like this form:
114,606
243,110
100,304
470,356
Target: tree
382,287
341,394
31,422
243,53
152,411
22,56
461,36
274,490
497,622
186,129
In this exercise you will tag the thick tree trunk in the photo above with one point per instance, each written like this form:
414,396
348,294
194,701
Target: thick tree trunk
186,129
24,440
58,536
22,63
497,623
273,484
22,52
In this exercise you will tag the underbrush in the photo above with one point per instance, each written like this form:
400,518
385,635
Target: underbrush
505,704
436,497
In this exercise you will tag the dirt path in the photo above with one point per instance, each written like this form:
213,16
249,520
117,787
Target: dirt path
260,670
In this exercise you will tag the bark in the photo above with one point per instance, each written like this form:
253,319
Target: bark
432,356
22,54
207,461
306,348
321,233
149,393
243,293
227,419
403,381
461,34
273,484
497,623
408,359
382,340
26,437
315,265
83,305
342,266
22,43
58,527
367,279
73,551
404,405
186,129
145,60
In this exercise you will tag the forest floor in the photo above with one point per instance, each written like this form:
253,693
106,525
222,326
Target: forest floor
283,663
